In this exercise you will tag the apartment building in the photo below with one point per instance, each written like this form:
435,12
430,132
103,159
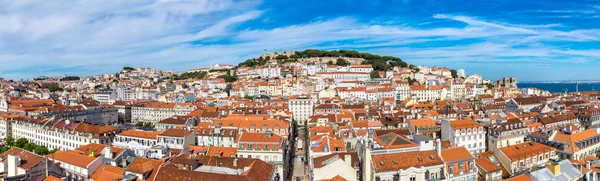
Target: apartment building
62,134
465,133
506,133
302,108
343,76
215,136
352,92
570,145
269,71
265,146
176,138
422,93
123,111
415,165
105,97
402,90
157,111
88,112
253,124
460,164
143,143
360,68
175,122
75,165
6,123
589,117
522,157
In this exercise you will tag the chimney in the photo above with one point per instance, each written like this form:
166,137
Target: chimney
235,160
348,159
438,147
13,163
553,167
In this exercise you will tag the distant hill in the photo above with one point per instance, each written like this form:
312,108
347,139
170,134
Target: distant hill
378,62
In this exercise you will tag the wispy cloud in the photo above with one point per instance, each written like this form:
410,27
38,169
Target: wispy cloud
94,33
89,37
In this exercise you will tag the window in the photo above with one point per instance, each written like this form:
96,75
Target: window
521,163
413,178
433,176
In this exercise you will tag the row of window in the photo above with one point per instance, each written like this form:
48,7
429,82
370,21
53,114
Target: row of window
468,138
266,158
258,146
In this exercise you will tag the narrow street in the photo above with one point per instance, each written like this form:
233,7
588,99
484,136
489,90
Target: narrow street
289,155
299,168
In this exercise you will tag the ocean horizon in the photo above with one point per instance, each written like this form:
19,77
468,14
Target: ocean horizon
559,87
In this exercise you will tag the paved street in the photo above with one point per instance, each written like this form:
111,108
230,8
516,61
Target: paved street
300,171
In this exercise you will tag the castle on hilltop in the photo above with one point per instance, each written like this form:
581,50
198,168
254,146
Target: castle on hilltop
275,54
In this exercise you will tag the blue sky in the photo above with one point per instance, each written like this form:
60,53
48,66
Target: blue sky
532,40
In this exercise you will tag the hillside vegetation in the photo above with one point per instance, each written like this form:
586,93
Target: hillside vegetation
380,63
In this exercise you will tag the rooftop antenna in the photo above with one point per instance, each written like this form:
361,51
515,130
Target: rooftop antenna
565,89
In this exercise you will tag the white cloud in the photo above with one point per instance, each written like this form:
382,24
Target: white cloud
48,37
87,34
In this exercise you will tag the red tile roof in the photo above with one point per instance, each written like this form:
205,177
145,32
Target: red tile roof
141,134
404,160
72,157
28,159
456,154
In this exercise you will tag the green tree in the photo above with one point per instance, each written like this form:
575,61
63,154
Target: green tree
249,97
281,57
454,75
30,146
228,78
378,64
489,86
139,124
21,142
148,125
414,68
342,62
53,151
128,68
4,149
41,150
374,74
330,62
10,141
410,81
228,89
54,88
